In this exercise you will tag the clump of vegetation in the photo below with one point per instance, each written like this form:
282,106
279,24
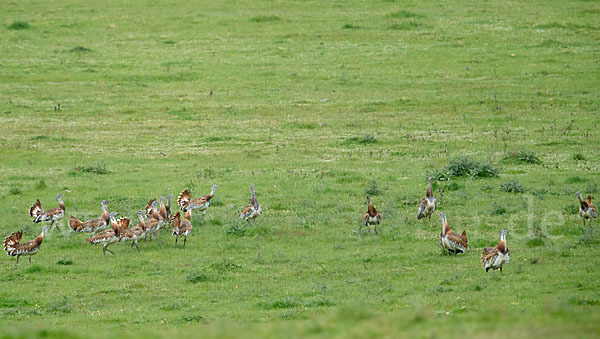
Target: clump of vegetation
578,156
405,14
99,168
575,180
466,167
225,265
364,140
19,25
196,318
60,305
15,190
405,26
236,228
195,276
287,302
571,208
373,189
589,236
521,157
65,261
512,187
41,184
498,209
350,26
453,186
535,242
79,49
265,18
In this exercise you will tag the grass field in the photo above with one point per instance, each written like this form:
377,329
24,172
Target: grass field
317,103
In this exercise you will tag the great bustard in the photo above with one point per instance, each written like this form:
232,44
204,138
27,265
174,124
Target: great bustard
185,202
53,215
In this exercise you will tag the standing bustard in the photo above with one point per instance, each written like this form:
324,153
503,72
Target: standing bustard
253,209
587,211
450,240
55,214
14,247
110,235
428,205
181,228
92,226
496,257
185,202
372,216
135,233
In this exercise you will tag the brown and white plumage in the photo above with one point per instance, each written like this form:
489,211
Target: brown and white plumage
181,227
168,206
153,223
162,210
148,208
372,216
53,215
185,202
496,257
14,247
135,233
587,211
450,240
91,226
111,235
427,205
253,209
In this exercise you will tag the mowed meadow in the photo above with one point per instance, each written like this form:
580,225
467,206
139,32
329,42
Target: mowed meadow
317,103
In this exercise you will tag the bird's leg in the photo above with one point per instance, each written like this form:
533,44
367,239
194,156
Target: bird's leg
375,228
104,250
136,246
18,255
500,269
52,223
113,253
184,240
176,238
29,260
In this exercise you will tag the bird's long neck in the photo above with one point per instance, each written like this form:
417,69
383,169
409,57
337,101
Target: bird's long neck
212,191
445,227
188,215
104,209
429,189
581,200
254,202
43,234
169,197
61,203
589,200
161,202
503,238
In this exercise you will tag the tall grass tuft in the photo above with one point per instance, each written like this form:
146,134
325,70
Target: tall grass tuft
373,189
466,167
512,187
521,157
19,25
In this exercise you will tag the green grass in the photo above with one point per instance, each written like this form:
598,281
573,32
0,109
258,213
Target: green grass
317,103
